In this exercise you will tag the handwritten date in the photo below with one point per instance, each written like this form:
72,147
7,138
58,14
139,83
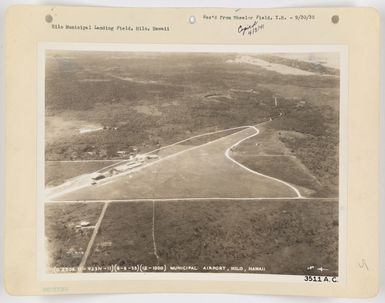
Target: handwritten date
250,29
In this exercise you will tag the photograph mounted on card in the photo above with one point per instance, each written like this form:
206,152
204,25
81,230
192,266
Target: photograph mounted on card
193,149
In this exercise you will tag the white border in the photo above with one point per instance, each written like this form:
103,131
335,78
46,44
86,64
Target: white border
216,48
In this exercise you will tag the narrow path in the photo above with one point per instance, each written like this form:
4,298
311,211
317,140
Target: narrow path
92,240
153,233
227,154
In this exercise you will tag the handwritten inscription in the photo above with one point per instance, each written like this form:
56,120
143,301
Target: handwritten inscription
252,24
363,264
250,29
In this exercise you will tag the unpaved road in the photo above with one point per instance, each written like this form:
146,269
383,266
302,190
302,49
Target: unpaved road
204,171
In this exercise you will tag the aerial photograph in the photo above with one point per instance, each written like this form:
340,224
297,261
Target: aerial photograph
191,162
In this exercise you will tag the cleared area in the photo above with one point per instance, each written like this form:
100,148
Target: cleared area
59,172
201,171
267,154
67,176
284,168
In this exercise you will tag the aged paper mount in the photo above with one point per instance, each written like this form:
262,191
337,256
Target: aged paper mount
192,150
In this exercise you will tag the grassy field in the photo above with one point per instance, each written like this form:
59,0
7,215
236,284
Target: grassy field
267,142
267,154
189,143
310,129
284,168
65,242
201,172
58,172
284,237
207,138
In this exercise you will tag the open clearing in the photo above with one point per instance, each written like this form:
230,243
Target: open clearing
57,172
279,68
64,176
284,168
203,171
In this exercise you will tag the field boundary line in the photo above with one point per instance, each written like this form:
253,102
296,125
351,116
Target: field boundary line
192,199
153,233
82,161
267,155
93,237
227,154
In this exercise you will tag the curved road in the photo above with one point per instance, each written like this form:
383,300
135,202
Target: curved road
253,171
204,171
